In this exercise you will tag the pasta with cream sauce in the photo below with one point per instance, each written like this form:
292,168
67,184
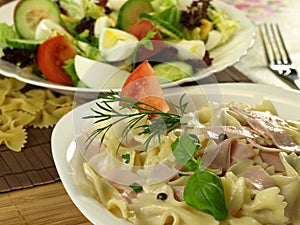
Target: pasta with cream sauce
255,154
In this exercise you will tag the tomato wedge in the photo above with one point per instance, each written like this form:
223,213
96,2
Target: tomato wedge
51,56
156,103
143,85
140,30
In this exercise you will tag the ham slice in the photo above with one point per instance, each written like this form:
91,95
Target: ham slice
258,177
178,193
230,131
272,158
228,151
268,126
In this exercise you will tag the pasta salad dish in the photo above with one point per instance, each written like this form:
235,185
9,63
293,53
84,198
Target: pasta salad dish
189,160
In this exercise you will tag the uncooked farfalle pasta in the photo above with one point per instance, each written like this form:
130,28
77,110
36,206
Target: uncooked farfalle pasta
253,156
38,108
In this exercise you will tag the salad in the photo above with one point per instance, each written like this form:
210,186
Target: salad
58,40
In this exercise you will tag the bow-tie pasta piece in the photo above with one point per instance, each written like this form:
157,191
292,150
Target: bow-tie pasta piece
107,194
268,207
61,101
20,108
289,185
14,138
14,119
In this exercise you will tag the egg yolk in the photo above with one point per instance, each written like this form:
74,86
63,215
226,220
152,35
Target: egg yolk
111,38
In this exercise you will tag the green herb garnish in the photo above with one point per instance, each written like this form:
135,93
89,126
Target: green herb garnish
185,147
163,123
204,189
126,157
136,187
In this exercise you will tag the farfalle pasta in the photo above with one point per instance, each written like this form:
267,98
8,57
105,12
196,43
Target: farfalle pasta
255,153
39,108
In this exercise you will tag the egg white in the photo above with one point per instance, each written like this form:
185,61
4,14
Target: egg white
47,28
116,45
190,49
99,75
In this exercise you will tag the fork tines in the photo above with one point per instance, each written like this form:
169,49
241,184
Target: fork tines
274,45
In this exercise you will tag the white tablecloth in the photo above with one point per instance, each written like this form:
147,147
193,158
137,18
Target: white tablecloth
284,12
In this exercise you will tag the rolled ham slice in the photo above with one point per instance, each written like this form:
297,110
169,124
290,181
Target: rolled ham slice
269,126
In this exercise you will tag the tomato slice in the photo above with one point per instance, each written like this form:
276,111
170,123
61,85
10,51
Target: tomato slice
143,85
142,71
140,30
156,103
51,56
142,82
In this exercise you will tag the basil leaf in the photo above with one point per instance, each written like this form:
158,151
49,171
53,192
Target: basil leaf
126,157
136,187
193,165
204,191
185,147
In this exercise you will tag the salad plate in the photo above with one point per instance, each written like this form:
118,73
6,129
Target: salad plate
69,162
223,56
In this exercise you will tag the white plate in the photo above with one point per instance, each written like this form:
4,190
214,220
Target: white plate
224,56
68,160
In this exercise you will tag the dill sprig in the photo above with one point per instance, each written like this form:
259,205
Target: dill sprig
161,122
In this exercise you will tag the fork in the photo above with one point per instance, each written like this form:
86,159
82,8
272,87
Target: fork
278,58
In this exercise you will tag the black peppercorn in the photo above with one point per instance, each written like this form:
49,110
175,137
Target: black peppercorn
162,196
222,137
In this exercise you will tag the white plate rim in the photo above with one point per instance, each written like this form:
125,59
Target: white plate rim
248,30
92,209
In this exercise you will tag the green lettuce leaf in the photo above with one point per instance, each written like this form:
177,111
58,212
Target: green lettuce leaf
7,32
223,22
161,5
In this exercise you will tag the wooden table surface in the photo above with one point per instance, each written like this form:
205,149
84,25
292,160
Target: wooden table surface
49,203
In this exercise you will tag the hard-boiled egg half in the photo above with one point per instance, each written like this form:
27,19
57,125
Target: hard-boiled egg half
99,75
190,49
213,39
116,45
47,28
101,23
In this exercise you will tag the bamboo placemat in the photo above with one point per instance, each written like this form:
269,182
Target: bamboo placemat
45,204
32,166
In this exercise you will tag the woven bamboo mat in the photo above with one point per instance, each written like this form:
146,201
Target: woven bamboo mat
32,166
46,204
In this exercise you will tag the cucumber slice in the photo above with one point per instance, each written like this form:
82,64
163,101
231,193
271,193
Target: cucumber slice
23,43
28,14
130,12
163,26
172,71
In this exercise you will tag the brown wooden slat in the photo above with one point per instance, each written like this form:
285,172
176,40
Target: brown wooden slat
23,161
46,204
23,180
34,177
4,169
42,156
4,187
11,162
53,172
12,181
